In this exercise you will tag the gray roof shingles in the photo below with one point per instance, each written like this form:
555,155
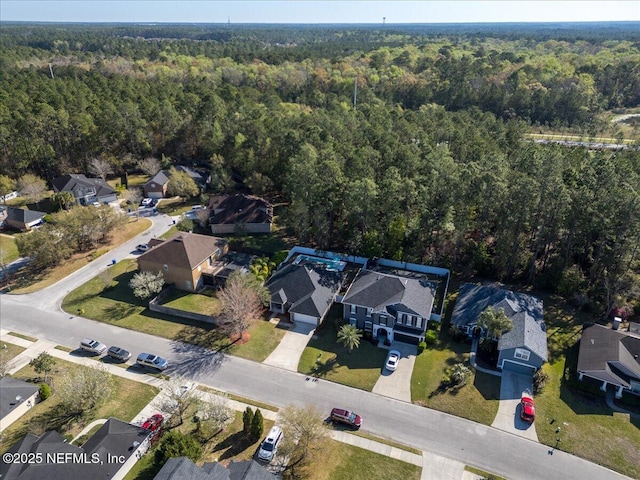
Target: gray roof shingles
10,389
391,293
309,289
79,182
525,312
23,215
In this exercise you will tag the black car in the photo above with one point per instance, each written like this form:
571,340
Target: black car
119,354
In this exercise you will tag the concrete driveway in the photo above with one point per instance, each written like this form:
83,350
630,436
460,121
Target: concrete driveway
398,384
508,419
287,353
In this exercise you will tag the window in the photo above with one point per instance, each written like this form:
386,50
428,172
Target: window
352,309
522,354
369,311
382,320
368,326
352,322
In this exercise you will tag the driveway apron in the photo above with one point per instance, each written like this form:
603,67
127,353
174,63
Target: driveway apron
512,386
398,384
287,354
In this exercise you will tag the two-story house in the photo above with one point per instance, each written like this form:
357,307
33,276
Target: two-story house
389,305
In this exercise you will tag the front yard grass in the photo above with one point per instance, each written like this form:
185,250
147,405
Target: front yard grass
45,278
324,357
193,302
127,400
8,248
9,351
481,389
108,298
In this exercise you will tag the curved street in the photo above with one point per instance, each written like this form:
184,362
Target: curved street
484,447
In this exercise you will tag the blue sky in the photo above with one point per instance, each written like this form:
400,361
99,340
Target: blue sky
294,11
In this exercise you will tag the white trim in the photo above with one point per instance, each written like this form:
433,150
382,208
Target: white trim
522,354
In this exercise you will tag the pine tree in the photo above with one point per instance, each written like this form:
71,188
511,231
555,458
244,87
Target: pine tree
257,425
247,420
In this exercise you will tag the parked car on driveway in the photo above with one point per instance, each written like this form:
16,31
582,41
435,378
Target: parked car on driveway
152,361
351,419
146,202
92,346
392,360
270,444
153,423
527,409
119,354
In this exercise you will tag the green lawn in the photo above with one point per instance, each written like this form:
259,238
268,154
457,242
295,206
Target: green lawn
108,298
324,357
481,389
9,351
8,249
354,463
128,399
193,302
169,233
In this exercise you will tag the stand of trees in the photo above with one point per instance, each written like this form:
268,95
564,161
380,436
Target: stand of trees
431,166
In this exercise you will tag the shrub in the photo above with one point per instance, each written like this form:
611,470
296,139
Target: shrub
431,337
540,379
44,392
433,325
176,444
421,347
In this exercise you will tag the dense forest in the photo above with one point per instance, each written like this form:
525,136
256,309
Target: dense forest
404,142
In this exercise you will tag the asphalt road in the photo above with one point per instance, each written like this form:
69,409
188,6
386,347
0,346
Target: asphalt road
484,447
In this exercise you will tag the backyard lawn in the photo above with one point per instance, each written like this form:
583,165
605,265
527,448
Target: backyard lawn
8,248
108,298
52,275
324,357
127,400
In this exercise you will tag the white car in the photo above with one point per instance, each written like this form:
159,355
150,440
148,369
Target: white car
146,202
392,360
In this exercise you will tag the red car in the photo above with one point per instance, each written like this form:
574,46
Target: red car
345,416
527,409
154,422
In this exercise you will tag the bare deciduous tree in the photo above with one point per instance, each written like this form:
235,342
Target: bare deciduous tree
83,389
32,186
133,196
304,436
241,305
203,216
177,397
100,167
146,284
150,165
214,415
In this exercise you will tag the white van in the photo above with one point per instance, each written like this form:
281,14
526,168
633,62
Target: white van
270,444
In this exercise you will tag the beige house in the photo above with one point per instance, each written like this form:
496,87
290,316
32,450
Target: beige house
189,261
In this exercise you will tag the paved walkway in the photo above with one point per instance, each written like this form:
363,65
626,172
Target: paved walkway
287,354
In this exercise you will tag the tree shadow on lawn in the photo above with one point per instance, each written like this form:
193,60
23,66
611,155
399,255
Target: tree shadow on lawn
322,369
57,418
487,385
234,444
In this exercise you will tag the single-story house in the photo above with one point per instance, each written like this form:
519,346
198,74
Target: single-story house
305,288
523,349
16,398
85,190
611,357
110,453
23,219
156,187
389,305
187,260
182,468
228,212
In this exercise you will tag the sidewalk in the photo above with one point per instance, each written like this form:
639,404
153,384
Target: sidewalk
434,467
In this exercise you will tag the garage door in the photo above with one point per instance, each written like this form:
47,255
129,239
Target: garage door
400,337
518,368
299,317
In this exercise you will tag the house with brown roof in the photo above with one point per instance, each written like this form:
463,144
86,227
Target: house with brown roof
249,213
156,186
189,261
611,357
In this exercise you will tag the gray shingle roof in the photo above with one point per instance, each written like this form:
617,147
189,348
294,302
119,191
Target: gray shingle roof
115,438
23,215
239,208
391,293
609,355
307,288
183,468
75,183
10,388
525,312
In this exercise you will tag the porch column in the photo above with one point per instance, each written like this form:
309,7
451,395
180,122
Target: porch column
619,392
604,386
580,375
